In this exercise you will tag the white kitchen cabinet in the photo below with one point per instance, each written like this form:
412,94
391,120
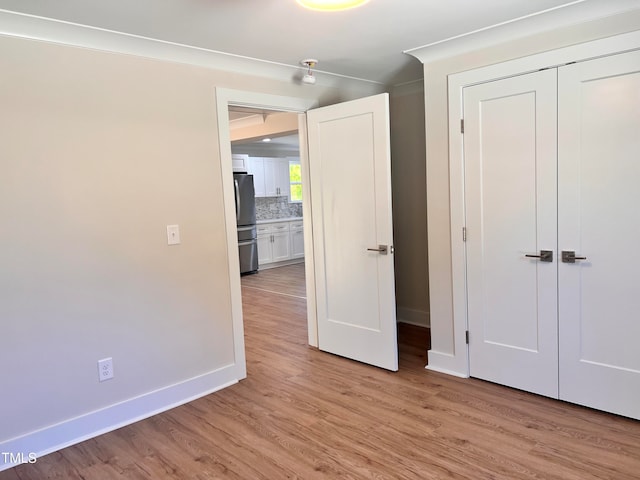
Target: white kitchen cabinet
276,177
281,245
297,239
280,242
265,251
273,242
240,163
270,176
255,167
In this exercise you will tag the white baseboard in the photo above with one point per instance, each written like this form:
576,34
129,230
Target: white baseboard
446,363
413,317
84,427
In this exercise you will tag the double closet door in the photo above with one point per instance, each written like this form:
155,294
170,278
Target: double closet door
552,205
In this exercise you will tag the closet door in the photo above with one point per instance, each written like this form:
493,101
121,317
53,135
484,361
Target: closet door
599,219
510,194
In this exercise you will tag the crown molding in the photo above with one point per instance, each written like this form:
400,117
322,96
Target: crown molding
14,24
580,11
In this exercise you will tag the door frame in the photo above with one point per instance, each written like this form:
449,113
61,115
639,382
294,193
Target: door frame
224,98
456,361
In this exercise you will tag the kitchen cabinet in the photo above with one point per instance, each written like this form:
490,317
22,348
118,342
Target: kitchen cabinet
240,163
280,242
265,250
255,167
276,172
274,244
270,176
297,239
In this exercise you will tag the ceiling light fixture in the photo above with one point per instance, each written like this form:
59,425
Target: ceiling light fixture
331,5
266,139
309,79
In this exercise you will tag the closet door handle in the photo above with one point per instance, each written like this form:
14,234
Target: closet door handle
569,256
544,256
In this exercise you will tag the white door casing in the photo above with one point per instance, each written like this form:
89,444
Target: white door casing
350,180
510,172
599,174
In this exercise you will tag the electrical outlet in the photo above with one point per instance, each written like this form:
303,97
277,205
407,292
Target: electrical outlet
105,369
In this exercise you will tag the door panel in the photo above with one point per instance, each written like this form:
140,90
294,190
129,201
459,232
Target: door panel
350,174
599,173
510,190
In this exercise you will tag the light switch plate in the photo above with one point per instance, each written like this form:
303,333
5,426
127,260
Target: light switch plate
173,235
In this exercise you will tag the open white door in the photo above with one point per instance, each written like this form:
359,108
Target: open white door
350,180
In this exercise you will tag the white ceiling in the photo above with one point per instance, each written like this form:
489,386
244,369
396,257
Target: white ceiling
365,43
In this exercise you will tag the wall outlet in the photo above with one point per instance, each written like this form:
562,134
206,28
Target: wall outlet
105,369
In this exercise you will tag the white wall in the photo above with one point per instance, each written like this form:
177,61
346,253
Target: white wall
409,203
437,151
99,152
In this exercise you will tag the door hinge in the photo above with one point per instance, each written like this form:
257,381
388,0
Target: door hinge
462,125
466,337
464,234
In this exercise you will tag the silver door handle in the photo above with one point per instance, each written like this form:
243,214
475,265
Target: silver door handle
235,184
382,249
569,256
545,255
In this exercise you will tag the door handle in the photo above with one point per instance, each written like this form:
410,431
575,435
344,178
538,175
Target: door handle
382,249
237,189
569,256
545,255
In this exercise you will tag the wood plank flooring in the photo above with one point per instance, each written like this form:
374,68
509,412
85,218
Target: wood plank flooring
305,414
287,280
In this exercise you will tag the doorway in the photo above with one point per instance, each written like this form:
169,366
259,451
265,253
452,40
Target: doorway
353,134
265,146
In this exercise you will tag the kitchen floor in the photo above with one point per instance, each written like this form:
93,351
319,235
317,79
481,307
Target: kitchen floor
287,280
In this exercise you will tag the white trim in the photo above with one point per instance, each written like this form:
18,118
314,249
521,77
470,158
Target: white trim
224,98
104,420
435,368
410,316
573,13
309,269
458,361
32,27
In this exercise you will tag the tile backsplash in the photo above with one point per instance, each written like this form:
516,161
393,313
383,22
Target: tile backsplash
270,208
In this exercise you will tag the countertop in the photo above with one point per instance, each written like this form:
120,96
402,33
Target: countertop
278,220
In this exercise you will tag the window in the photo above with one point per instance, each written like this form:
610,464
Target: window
295,182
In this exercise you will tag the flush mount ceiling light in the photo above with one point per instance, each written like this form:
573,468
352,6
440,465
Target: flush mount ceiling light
331,5
309,79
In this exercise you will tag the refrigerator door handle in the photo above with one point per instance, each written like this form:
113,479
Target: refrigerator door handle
247,242
235,183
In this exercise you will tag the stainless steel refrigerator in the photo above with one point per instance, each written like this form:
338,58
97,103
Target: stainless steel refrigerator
246,222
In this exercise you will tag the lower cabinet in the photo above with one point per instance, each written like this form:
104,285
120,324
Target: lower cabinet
297,240
279,242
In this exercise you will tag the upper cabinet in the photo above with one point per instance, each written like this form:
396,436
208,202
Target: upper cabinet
270,176
255,167
240,163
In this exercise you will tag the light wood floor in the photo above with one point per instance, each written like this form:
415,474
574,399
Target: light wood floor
306,414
